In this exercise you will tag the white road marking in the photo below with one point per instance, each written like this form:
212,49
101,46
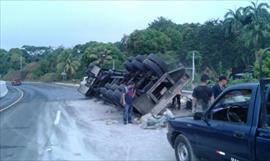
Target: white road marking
1,110
57,118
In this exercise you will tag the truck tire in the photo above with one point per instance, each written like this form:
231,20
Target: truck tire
140,58
109,94
102,90
159,62
117,96
153,67
114,86
138,65
128,66
122,88
130,58
107,85
183,149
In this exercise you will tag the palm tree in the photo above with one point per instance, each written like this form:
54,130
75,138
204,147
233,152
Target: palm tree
257,32
258,12
70,67
98,55
233,21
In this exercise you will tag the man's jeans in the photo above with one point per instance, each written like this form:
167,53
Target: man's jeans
128,113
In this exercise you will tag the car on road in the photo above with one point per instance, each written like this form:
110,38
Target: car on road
16,82
236,127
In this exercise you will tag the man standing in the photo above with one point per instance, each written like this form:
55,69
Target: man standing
177,98
202,95
220,86
127,100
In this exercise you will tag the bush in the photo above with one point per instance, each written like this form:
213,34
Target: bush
49,77
246,79
31,76
12,74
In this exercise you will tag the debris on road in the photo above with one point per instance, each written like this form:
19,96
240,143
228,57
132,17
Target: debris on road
150,121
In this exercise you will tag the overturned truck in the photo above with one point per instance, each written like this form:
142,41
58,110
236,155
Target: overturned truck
155,85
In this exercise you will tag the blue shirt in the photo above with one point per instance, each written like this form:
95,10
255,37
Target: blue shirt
216,89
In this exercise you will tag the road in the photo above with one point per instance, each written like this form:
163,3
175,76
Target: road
26,128
53,122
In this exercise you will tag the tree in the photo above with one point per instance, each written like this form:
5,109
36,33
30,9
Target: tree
147,41
265,65
234,21
70,67
170,29
257,32
103,55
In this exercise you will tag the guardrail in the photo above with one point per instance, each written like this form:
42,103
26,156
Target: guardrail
3,89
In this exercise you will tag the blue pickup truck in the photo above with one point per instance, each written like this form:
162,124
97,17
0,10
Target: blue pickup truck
236,127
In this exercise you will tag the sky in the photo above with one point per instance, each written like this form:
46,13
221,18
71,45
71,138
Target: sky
69,22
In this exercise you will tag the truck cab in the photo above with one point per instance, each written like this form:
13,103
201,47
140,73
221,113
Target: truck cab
236,127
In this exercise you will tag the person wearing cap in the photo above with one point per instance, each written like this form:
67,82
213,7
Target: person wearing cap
127,100
202,95
220,86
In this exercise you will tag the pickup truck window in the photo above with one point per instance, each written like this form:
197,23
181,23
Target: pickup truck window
232,106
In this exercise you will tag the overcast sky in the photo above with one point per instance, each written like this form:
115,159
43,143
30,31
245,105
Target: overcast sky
67,23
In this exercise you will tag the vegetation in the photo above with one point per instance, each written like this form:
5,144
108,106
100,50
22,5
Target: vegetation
220,46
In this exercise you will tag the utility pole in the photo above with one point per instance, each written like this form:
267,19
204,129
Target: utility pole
113,65
193,66
21,63
20,67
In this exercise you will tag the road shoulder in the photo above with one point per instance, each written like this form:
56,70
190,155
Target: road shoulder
14,96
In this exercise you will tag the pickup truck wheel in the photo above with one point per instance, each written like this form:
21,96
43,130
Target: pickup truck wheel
183,149
153,67
159,62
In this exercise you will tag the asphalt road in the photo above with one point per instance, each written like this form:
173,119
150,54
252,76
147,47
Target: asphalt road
26,128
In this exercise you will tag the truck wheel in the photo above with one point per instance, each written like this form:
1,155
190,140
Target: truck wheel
183,149
109,94
153,67
138,65
102,90
140,58
107,85
122,88
128,66
114,86
159,62
130,58
117,96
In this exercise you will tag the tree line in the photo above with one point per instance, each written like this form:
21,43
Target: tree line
220,46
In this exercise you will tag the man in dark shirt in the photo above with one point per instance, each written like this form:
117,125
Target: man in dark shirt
127,101
220,86
177,98
202,95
